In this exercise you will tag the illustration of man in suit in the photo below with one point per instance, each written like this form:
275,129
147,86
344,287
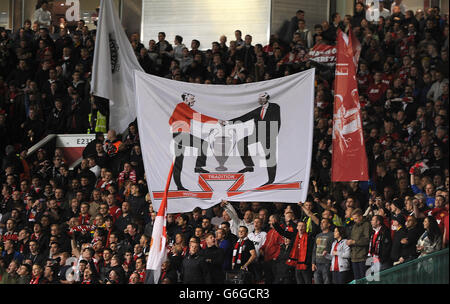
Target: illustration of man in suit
180,121
267,126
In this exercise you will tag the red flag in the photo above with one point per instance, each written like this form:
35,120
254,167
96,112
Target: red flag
349,153
323,54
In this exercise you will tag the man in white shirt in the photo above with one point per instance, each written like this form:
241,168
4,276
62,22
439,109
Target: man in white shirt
258,237
236,222
402,6
376,11
305,33
43,16
436,89
93,166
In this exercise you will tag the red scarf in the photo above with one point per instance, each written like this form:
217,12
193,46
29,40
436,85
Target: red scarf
163,275
237,252
84,219
35,280
298,253
135,256
374,244
36,237
142,276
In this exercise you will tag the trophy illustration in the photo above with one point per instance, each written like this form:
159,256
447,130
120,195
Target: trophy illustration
222,144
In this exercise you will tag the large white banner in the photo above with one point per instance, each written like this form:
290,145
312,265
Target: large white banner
249,142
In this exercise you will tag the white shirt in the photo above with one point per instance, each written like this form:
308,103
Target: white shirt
216,221
309,37
178,51
43,17
236,222
258,239
402,7
373,13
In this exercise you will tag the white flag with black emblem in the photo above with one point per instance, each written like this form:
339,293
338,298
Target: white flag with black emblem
112,71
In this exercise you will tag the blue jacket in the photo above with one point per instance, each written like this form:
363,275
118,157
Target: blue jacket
430,200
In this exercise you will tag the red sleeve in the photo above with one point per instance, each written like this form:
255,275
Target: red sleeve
185,113
202,117
176,114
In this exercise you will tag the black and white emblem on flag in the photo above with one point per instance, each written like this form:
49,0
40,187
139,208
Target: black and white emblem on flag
114,50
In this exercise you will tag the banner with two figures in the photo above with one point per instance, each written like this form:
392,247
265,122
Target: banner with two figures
249,142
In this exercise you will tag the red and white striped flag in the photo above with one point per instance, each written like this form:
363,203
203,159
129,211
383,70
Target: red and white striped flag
349,161
157,253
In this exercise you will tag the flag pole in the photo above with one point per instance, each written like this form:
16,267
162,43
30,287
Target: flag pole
159,236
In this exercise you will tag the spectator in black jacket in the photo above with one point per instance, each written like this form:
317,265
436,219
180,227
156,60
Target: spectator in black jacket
138,205
57,119
194,268
124,219
145,61
359,15
400,232
413,232
329,29
168,274
214,258
284,274
35,256
20,75
300,256
183,227
33,124
380,245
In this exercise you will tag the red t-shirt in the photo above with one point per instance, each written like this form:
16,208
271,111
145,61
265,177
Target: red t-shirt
336,258
439,214
182,116
376,91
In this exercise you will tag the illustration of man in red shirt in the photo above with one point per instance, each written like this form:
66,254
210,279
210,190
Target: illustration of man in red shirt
180,122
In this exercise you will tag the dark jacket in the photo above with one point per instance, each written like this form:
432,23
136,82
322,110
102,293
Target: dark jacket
187,232
283,272
104,270
138,205
383,251
171,274
292,235
36,259
413,235
272,114
194,269
396,243
361,234
57,121
214,258
122,222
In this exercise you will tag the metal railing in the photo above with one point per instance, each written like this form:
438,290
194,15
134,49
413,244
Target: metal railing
429,269
41,144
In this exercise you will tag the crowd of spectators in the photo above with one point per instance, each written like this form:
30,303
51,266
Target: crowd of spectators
99,217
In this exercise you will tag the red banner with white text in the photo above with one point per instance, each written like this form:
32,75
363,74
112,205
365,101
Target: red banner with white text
349,161
323,54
